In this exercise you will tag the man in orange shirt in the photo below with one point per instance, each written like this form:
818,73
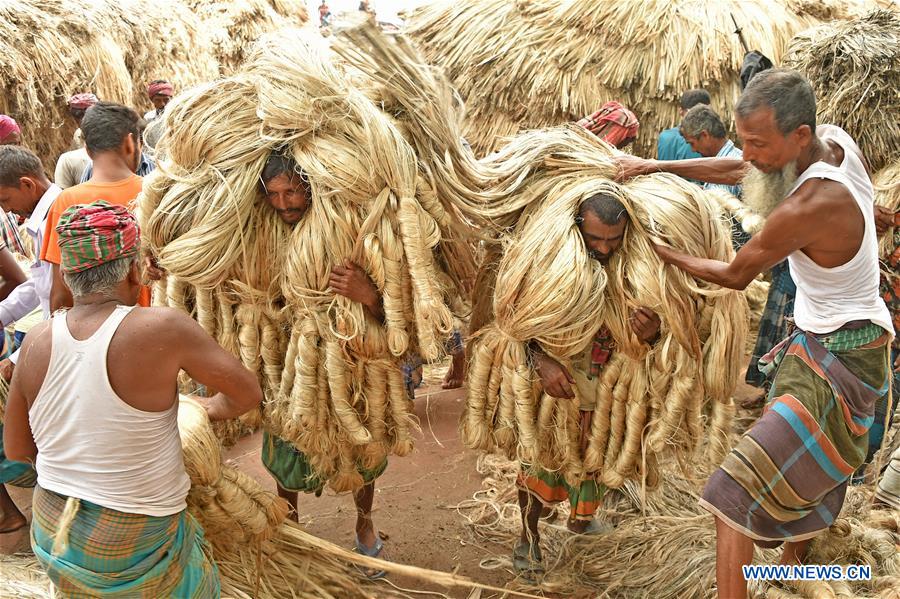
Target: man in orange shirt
113,141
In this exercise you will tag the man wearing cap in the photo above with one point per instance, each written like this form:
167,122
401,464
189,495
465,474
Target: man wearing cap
10,133
109,509
72,164
613,123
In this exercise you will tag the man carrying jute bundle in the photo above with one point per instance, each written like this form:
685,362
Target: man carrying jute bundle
109,511
786,479
602,223
288,193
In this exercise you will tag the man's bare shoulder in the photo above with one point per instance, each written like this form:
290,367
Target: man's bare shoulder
162,320
815,195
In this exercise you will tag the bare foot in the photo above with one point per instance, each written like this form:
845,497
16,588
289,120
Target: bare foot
756,402
457,373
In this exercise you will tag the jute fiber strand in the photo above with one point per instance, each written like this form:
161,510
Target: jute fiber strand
663,543
52,49
521,65
235,26
330,372
854,68
549,291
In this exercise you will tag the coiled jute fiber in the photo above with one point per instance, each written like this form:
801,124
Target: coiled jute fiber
330,372
524,198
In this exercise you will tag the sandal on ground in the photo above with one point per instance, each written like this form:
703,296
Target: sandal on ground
527,559
596,527
374,551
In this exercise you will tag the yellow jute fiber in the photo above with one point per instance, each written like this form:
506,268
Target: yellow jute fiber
521,65
331,372
51,49
524,199
854,68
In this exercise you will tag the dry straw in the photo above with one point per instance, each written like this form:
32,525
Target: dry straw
854,68
235,26
521,65
51,50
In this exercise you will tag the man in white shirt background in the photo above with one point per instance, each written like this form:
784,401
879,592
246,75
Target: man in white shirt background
24,190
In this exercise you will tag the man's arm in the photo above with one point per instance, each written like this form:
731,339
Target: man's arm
727,171
60,296
791,226
20,302
18,439
11,273
207,363
351,281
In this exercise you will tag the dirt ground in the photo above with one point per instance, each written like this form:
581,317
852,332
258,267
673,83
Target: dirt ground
413,501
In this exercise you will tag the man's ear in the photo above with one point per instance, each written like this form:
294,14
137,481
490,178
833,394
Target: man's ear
803,135
134,273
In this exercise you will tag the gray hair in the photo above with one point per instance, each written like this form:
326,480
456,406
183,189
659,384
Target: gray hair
787,93
702,118
99,279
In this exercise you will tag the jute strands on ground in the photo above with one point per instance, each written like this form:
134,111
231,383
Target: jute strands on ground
51,50
521,65
886,183
854,68
663,544
330,372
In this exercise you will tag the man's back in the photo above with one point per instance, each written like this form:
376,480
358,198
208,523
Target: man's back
672,146
105,431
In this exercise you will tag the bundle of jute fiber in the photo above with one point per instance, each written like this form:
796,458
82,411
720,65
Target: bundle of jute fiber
330,371
51,50
550,292
235,26
521,65
854,68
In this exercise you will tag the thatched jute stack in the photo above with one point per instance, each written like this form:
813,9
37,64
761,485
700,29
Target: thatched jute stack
330,372
234,26
51,50
522,65
854,67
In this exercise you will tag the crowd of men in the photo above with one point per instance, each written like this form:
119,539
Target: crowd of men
102,439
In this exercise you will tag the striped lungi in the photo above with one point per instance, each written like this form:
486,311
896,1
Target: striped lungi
117,554
785,480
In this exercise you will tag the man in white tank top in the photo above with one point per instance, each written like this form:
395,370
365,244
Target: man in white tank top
93,405
786,479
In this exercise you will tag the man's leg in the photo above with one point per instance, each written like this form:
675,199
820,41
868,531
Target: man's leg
11,519
733,550
291,498
365,528
794,553
531,508
457,373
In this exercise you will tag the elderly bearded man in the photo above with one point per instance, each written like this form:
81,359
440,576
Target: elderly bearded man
786,479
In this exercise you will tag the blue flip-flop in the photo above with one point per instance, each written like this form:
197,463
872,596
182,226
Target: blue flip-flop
374,551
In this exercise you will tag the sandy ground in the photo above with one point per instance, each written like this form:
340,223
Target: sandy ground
413,502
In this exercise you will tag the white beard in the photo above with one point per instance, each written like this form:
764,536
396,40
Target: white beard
762,192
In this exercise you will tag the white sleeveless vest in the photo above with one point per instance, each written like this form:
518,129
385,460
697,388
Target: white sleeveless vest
828,298
94,446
